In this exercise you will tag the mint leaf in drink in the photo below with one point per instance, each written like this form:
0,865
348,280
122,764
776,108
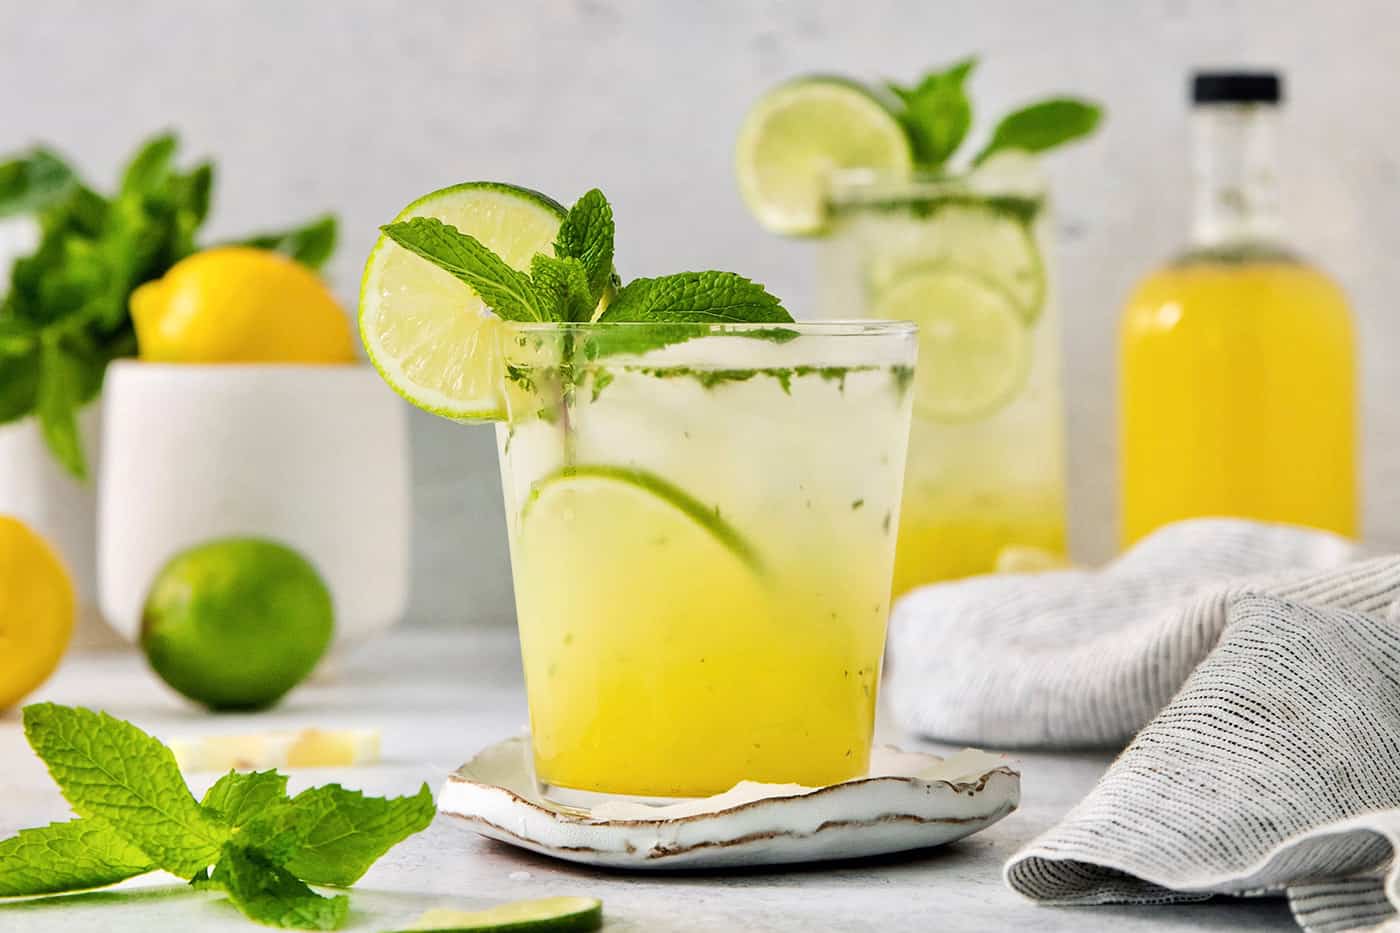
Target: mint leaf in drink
311,244
240,797
505,290
271,895
330,835
57,394
696,298
71,856
1042,126
32,181
937,113
109,769
587,235
562,287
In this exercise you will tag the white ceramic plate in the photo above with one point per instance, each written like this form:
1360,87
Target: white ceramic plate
908,801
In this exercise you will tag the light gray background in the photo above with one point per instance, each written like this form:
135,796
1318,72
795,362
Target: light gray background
361,106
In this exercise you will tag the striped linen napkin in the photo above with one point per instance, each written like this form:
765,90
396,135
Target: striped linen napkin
1261,665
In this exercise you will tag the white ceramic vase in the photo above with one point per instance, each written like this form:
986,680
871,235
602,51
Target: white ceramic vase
313,456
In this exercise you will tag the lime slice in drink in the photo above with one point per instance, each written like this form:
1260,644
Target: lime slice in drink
616,489
974,347
547,915
429,335
986,240
800,132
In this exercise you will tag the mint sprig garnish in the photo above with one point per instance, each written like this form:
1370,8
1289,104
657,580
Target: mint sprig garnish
568,286
696,297
1042,126
136,814
587,234
936,114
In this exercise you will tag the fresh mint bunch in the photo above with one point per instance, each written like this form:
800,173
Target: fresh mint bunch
578,280
65,314
936,113
136,815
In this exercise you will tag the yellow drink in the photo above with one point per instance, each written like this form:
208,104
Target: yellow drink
702,538
1237,382
1238,393
986,450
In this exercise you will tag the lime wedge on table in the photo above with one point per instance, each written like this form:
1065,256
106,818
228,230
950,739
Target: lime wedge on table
548,915
984,240
628,499
800,132
429,335
974,347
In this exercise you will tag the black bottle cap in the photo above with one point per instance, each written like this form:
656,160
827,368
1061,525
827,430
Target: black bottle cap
1236,87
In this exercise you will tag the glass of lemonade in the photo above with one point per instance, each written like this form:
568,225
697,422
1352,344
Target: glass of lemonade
702,532
966,260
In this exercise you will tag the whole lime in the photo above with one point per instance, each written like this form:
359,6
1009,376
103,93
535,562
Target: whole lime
237,622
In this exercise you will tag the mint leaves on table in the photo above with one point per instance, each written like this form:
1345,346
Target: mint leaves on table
65,317
135,815
936,113
570,285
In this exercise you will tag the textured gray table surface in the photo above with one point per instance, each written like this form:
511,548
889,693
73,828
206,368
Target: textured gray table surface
439,696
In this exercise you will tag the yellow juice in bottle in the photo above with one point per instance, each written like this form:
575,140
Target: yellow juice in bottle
1238,388
1237,373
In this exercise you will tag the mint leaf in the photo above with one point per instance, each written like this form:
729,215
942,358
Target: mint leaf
587,235
937,113
19,380
271,895
330,835
150,168
1042,126
310,244
111,770
71,856
562,287
33,181
696,298
56,397
239,798
505,290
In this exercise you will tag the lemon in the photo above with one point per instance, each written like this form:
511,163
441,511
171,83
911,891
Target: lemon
237,622
236,304
37,608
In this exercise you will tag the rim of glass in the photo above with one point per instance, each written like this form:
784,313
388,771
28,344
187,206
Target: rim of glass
853,186
838,328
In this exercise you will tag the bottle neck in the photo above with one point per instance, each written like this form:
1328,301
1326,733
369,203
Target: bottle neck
1235,178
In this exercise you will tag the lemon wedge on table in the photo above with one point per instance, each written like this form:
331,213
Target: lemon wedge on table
306,748
237,304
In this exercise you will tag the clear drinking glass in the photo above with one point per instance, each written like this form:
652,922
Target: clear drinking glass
702,533
966,260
